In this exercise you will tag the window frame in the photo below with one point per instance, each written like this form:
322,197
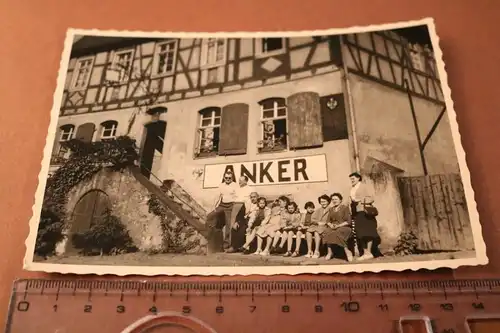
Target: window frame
59,155
260,53
205,53
156,58
200,128
76,71
114,130
128,72
263,150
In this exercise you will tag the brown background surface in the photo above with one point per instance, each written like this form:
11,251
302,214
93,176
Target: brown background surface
32,35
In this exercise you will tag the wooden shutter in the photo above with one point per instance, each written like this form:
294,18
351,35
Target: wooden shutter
55,146
85,132
334,119
234,129
304,120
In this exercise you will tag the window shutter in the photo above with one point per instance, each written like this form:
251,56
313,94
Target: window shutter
85,132
55,146
304,120
334,117
234,129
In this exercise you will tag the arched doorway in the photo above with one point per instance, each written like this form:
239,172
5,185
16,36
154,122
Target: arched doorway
93,207
152,148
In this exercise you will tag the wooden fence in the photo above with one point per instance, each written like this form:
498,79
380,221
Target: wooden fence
435,209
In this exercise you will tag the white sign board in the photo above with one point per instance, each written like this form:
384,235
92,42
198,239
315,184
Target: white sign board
293,170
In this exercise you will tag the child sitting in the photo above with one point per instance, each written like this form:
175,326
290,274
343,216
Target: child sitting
257,219
305,223
291,228
271,229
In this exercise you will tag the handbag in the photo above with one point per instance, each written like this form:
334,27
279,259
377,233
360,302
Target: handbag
370,210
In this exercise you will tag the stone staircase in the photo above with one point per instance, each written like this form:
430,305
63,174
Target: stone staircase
177,200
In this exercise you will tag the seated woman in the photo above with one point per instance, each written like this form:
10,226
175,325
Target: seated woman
275,223
256,219
339,227
318,224
291,229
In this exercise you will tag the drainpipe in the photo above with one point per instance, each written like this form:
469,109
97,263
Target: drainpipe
350,106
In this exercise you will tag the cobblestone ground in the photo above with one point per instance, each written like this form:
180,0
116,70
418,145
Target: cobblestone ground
234,259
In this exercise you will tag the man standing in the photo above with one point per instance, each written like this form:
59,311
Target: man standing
241,207
221,217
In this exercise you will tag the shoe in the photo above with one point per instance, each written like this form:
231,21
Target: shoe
257,253
315,255
287,254
264,253
366,256
295,254
230,250
246,251
328,257
309,254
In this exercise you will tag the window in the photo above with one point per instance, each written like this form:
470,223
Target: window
108,129
269,46
164,62
209,131
212,75
274,125
67,132
122,64
81,74
214,52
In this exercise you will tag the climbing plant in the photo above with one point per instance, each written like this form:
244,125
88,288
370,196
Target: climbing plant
107,236
178,235
85,161
407,244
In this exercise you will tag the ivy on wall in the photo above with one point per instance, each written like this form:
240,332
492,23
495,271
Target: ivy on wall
85,161
178,236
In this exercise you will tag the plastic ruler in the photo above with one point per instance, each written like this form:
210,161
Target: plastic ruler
74,306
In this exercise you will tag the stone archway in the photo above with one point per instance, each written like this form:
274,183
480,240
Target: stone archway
93,207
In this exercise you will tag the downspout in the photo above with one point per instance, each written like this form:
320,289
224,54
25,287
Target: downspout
350,106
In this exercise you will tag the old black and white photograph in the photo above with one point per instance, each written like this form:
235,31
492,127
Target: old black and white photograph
330,151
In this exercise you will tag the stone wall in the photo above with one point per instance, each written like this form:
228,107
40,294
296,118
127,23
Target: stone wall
129,202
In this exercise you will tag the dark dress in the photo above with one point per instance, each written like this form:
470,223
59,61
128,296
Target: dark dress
364,226
341,235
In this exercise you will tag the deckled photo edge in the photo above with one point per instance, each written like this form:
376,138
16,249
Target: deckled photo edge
480,247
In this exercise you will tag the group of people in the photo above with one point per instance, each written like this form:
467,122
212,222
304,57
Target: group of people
246,218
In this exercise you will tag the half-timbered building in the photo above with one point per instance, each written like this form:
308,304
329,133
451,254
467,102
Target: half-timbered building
295,115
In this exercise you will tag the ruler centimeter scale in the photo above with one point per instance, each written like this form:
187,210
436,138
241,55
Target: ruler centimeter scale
437,306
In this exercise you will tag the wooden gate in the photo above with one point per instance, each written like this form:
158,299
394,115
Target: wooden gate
435,209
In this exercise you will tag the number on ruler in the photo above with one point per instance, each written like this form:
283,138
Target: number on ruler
87,308
446,306
153,310
186,309
350,306
285,308
120,309
383,307
219,309
252,308
478,306
318,308
23,306
415,307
